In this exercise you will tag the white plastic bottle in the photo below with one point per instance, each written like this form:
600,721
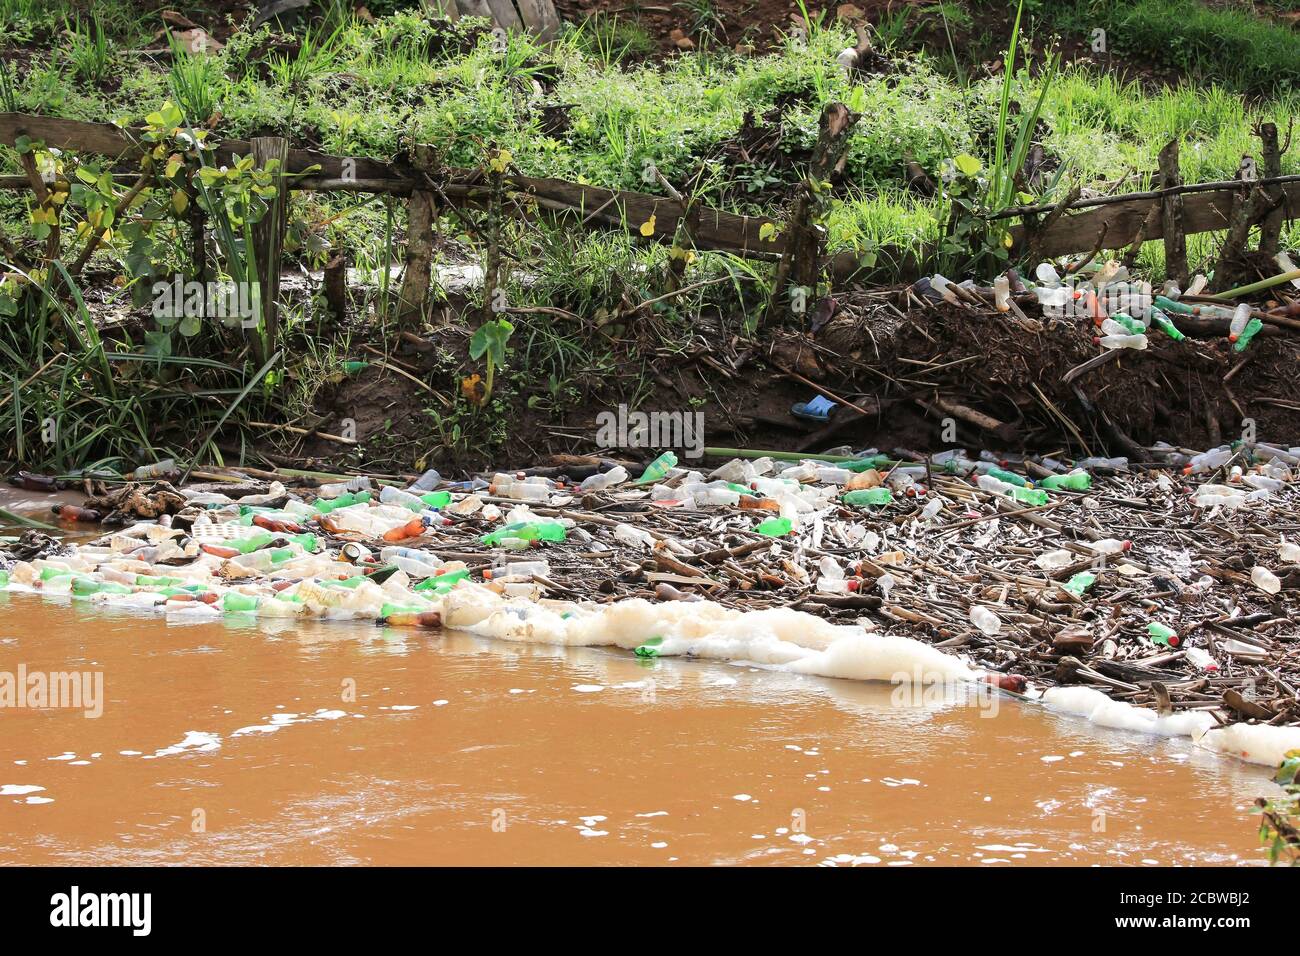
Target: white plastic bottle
601,481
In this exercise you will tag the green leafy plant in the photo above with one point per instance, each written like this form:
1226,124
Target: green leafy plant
1279,825
489,340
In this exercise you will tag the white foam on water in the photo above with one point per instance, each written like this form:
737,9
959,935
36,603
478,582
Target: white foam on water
18,789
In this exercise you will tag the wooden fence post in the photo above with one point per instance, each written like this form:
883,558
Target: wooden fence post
1270,230
268,240
800,263
1171,213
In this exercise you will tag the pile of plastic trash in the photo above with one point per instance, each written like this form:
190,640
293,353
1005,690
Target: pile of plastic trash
512,556
1123,311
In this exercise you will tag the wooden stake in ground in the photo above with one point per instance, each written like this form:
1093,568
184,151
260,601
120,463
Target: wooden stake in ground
800,265
421,213
268,239
1270,230
1171,213
1248,204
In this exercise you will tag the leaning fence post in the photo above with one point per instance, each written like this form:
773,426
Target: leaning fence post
1171,214
268,239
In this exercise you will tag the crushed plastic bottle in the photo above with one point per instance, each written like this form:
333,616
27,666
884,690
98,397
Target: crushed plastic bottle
868,496
775,527
1055,560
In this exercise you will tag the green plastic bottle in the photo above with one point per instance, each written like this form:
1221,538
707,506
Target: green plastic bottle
233,601
1080,583
4,579
658,469
1162,635
84,587
307,541
775,527
442,583
1166,325
436,499
1133,325
1249,332
1010,477
1075,481
1028,496
527,531
352,366
863,464
256,543
50,574
650,648
868,496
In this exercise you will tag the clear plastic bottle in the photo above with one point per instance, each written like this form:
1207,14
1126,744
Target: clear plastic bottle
604,480
984,619
404,499
1265,580
1109,546
351,486
1137,342
1238,323
1208,460
1054,560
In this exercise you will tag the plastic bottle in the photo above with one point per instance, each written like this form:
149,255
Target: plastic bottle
161,469
1201,659
1208,460
389,495
412,529
1265,580
775,527
234,601
1079,583
1137,342
1010,477
984,619
1237,324
1030,496
1077,480
603,480
1162,635
1249,332
1054,560
868,496
352,485
658,469
632,537
1165,325
75,513
942,286
1109,546
1289,552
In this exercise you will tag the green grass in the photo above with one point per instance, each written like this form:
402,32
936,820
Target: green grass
360,88
1226,44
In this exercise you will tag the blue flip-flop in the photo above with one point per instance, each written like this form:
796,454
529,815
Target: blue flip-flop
817,410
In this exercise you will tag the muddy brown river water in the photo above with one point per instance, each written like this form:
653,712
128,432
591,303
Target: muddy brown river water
238,742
